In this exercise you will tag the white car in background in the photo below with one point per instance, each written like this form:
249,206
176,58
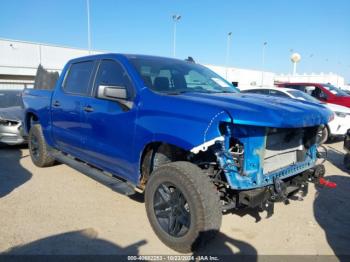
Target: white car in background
337,127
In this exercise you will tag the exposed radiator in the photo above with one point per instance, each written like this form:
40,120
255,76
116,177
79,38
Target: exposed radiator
283,147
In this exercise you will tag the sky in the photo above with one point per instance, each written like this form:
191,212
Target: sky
317,29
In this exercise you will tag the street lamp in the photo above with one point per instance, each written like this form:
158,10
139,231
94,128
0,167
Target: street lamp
263,63
88,25
311,65
176,18
229,36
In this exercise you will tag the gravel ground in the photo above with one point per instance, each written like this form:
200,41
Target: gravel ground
57,210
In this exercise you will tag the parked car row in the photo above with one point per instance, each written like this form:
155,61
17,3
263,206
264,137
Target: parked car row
338,126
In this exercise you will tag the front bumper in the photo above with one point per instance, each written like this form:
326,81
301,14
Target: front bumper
12,134
294,188
339,126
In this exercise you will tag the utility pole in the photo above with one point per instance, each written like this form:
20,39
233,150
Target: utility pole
176,18
228,46
88,25
263,63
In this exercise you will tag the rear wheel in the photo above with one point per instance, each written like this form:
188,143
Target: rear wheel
39,150
182,206
347,161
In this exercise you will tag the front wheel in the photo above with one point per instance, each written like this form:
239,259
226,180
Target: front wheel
323,135
182,206
39,150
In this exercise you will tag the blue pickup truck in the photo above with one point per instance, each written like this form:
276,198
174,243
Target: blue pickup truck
178,132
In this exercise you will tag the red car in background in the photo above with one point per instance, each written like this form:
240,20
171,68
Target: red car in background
324,92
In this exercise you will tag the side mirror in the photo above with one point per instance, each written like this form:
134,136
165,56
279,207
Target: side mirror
112,92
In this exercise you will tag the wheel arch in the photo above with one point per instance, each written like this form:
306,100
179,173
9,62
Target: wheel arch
29,119
157,153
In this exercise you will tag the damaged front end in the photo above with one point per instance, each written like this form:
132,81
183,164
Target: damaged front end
257,166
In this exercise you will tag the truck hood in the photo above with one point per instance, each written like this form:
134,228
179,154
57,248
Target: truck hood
262,110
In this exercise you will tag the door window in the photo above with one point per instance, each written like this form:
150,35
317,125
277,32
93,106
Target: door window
78,78
297,87
277,93
111,73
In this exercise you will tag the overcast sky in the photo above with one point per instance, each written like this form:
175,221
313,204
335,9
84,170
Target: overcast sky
318,30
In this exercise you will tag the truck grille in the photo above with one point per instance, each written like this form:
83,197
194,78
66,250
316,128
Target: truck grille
284,147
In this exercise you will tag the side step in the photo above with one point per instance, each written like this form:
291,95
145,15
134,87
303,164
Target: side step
104,178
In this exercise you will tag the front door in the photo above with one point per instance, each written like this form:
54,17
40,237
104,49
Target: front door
109,125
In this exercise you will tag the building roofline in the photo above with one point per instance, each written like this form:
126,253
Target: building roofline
48,44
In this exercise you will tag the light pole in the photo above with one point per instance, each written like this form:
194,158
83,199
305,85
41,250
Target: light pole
263,63
311,65
176,18
88,25
228,46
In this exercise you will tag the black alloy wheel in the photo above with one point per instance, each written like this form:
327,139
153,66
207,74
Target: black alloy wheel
172,210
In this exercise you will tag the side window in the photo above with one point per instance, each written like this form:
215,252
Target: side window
111,73
262,92
277,93
319,94
78,78
297,87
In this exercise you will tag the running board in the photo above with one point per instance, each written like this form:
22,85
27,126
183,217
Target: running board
106,179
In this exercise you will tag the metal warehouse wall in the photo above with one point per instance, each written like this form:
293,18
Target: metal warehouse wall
19,61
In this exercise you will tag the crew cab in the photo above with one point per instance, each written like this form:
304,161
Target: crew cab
177,132
324,92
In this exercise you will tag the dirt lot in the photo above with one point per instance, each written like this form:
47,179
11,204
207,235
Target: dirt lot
60,211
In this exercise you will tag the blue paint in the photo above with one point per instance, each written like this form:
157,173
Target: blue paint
114,140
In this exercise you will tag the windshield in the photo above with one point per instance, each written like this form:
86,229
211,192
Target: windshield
303,96
10,98
172,76
334,90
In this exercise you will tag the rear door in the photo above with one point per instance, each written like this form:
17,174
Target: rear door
67,103
109,125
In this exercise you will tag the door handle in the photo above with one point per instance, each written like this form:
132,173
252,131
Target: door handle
88,109
56,103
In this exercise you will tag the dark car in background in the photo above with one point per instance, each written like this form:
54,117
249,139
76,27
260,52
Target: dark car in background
347,149
11,117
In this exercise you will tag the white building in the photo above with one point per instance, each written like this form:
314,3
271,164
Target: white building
19,61
244,77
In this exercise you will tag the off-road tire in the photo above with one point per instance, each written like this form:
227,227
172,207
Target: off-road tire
347,161
40,156
202,198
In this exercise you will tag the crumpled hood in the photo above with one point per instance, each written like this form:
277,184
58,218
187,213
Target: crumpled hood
14,113
262,110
